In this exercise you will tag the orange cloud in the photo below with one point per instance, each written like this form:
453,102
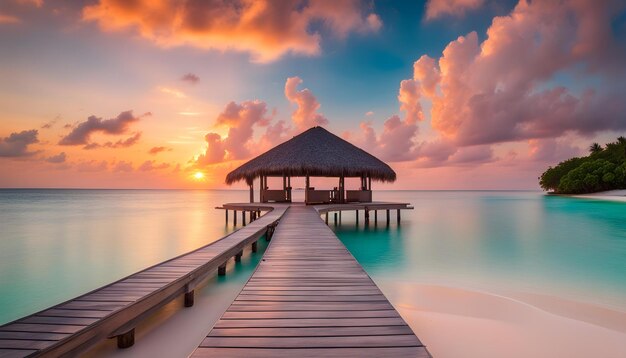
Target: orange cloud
265,29
9,19
81,134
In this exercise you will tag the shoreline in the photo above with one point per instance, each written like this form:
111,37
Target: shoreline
610,195
486,324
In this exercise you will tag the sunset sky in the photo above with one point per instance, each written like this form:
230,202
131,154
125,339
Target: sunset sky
453,94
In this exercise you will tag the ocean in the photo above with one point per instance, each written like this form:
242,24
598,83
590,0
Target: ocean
57,244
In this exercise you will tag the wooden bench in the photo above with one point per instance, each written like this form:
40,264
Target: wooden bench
114,310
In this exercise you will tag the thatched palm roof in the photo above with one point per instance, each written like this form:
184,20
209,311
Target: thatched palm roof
315,152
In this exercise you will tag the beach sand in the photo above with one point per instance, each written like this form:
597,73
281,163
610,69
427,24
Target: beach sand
611,195
454,322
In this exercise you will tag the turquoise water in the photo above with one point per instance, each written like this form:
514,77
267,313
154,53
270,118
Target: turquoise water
499,241
57,244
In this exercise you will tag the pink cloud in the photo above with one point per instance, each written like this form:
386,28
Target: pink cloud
440,8
265,29
123,166
305,116
240,120
150,165
503,89
59,158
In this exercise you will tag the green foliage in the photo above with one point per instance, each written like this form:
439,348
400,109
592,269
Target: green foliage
603,169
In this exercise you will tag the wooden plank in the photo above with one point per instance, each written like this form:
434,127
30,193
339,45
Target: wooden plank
15,353
396,352
407,340
311,331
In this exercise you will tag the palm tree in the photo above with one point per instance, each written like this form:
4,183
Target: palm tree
595,148
621,139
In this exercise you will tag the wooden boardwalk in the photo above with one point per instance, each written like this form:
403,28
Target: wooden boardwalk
114,310
310,298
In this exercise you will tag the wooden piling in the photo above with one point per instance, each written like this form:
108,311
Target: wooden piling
326,218
375,217
234,217
255,246
238,256
243,217
335,218
189,298
388,219
367,216
357,217
221,270
126,340
226,215
398,215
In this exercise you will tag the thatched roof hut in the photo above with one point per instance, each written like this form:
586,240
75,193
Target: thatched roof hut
315,152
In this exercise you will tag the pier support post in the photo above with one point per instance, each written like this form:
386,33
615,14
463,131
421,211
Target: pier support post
234,217
375,217
367,216
238,256
357,217
335,218
226,210
243,217
255,246
388,217
398,216
221,270
340,217
126,340
189,297
326,218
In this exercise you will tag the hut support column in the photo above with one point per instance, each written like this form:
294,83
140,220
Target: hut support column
234,217
357,216
367,216
226,211
375,217
387,217
252,192
243,217
306,190
398,216
335,218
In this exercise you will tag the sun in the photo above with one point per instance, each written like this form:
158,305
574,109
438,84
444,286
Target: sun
198,175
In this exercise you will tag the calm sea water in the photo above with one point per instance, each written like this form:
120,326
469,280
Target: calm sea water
57,244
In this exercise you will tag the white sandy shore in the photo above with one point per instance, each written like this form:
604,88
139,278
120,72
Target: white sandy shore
455,322
611,195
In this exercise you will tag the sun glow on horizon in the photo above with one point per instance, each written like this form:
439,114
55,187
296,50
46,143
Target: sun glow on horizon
198,175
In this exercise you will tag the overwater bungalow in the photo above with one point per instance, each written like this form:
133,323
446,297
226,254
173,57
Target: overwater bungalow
314,153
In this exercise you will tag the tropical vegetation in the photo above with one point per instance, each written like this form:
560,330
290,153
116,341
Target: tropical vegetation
603,169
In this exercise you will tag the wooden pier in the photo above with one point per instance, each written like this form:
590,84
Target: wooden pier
309,297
